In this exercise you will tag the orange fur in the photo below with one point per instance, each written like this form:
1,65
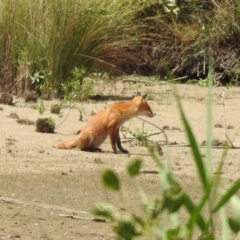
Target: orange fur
107,123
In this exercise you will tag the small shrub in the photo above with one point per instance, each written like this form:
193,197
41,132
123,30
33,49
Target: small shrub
56,108
176,128
166,127
216,142
76,89
45,125
218,125
31,96
25,121
6,98
13,115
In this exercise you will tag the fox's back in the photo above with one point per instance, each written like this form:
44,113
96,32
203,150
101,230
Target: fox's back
98,122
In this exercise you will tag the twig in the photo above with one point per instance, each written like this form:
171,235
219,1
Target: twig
162,131
83,218
177,79
153,82
64,118
71,107
40,205
214,147
138,81
149,172
232,146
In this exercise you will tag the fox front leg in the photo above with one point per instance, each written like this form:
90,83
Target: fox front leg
112,137
118,142
115,139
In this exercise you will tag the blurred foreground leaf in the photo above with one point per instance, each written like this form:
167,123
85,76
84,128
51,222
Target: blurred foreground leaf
105,210
110,180
229,193
134,167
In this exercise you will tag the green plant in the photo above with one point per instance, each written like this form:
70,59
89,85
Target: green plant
76,89
56,108
41,107
45,125
140,135
81,113
159,216
170,7
43,41
202,82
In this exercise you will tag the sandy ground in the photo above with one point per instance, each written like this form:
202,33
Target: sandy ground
40,184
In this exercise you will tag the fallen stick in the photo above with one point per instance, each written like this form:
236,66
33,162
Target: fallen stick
40,205
83,218
153,82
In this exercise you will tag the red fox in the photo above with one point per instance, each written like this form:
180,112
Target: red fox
107,123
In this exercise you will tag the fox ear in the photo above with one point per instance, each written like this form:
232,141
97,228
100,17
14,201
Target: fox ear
145,95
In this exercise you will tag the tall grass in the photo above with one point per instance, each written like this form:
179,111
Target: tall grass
47,39
42,41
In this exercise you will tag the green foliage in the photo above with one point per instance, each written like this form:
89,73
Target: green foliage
170,6
129,226
234,221
76,89
202,82
111,180
134,167
45,40
41,107
140,135
159,216
105,210
45,125
51,122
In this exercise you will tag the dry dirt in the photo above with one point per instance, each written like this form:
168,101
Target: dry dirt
40,185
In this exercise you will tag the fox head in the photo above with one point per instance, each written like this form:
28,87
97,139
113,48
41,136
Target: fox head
143,106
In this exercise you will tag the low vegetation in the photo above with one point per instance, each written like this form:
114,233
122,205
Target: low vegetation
46,42
45,125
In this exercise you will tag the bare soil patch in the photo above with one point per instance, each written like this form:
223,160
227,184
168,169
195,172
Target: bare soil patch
41,187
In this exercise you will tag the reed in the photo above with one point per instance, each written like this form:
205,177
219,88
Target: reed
45,40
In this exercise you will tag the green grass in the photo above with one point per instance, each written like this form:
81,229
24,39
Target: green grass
42,42
45,40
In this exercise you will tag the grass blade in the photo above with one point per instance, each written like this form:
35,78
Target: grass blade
226,197
194,211
194,146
